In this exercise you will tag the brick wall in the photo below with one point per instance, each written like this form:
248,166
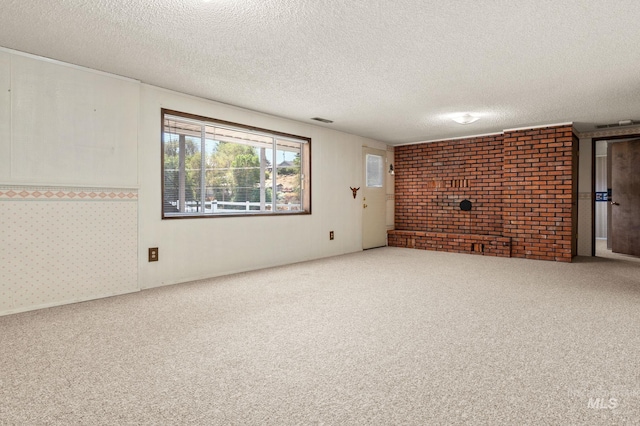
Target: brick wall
538,192
520,183
432,179
487,245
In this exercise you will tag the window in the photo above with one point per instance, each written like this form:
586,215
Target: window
216,168
375,171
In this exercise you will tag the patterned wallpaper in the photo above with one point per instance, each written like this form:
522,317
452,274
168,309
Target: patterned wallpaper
59,193
62,245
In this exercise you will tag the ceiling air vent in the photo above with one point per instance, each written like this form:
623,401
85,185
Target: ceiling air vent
322,120
620,123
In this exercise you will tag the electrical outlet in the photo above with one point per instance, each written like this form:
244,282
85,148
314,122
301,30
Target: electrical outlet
153,254
331,235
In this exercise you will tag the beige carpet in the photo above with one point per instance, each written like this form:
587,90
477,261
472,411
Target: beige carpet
602,251
386,336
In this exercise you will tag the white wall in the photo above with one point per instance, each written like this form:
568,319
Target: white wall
601,209
601,186
68,183
584,198
390,188
191,249
80,191
71,125
5,116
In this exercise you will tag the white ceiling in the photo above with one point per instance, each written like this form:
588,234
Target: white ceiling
388,70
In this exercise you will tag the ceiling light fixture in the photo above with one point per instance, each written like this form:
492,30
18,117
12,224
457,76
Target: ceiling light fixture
465,118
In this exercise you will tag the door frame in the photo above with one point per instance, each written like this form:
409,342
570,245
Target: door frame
593,180
383,154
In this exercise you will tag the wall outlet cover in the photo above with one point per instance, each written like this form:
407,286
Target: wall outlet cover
153,254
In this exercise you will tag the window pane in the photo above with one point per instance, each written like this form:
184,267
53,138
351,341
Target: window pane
288,181
214,188
171,173
211,169
375,168
192,158
182,167
234,177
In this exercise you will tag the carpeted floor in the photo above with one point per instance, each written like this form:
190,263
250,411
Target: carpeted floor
385,336
602,251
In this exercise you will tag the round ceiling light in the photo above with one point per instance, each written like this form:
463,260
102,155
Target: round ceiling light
465,118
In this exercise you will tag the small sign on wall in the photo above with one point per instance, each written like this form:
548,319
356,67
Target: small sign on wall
602,196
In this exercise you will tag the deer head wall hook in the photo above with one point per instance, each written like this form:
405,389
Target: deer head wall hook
355,191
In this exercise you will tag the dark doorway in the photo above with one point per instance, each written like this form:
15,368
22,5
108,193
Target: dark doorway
625,197
616,196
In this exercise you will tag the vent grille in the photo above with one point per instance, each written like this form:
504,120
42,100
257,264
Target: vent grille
322,120
477,248
459,183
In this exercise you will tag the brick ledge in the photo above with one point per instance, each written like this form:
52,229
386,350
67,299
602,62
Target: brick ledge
488,245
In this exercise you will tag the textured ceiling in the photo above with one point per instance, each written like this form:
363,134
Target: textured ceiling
389,70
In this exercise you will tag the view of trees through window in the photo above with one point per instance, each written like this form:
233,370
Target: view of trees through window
214,169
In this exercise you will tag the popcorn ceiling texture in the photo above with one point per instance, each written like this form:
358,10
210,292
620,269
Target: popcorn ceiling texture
390,71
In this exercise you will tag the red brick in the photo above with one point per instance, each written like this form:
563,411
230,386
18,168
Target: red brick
514,183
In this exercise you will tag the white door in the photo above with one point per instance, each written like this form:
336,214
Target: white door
374,224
